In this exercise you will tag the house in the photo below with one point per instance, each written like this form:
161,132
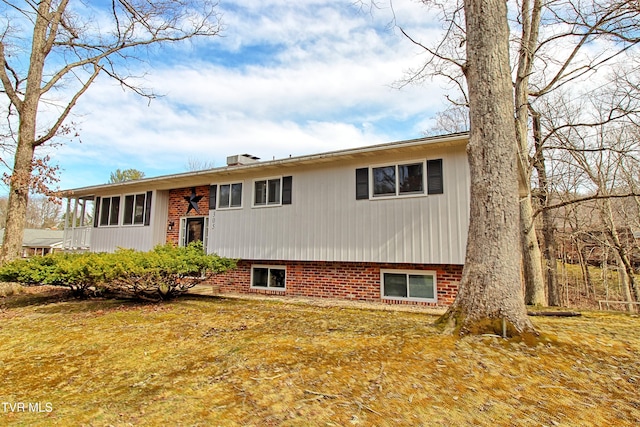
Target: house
39,241
381,223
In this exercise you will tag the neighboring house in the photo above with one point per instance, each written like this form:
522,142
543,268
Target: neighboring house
39,241
381,223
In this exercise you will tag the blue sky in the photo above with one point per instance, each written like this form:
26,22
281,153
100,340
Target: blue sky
286,78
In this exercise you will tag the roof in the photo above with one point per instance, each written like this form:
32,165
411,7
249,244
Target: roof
39,238
205,177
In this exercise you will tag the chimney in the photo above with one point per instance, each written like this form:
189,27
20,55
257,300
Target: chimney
241,159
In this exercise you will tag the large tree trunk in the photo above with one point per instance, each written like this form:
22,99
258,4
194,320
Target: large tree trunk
624,284
550,259
490,298
17,206
548,225
27,113
531,256
584,268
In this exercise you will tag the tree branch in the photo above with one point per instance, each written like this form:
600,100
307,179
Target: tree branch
63,116
584,199
6,81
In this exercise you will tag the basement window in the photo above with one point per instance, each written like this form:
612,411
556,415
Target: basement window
268,277
412,285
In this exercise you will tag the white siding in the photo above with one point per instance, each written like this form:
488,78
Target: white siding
143,238
325,222
159,215
108,239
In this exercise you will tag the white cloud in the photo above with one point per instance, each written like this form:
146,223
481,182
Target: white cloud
321,80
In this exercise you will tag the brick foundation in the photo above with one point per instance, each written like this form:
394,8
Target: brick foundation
341,280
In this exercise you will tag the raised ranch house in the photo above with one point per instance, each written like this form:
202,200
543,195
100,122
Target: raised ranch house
381,223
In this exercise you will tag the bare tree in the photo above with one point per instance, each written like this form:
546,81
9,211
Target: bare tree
575,39
561,131
594,144
67,45
195,164
42,212
490,298
530,16
454,119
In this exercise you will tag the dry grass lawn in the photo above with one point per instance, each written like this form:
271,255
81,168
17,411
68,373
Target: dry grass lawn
226,361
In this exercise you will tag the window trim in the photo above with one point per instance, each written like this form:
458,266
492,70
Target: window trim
269,268
398,194
266,204
407,273
219,197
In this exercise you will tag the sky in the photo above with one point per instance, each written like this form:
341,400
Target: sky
286,78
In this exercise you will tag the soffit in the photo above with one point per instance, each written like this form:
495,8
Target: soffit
206,177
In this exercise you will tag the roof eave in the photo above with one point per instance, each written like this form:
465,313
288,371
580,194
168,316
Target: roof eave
204,177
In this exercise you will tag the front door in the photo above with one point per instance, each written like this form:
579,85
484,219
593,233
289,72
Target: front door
194,230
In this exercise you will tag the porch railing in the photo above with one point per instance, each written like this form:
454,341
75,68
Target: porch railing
77,238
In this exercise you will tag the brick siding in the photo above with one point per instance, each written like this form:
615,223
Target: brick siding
342,280
178,208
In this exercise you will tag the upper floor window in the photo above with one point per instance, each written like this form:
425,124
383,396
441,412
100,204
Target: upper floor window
272,191
109,210
402,179
230,196
134,209
395,180
267,192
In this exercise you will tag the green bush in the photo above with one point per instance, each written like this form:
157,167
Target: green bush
162,273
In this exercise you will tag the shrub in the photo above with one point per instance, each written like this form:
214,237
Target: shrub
162,273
